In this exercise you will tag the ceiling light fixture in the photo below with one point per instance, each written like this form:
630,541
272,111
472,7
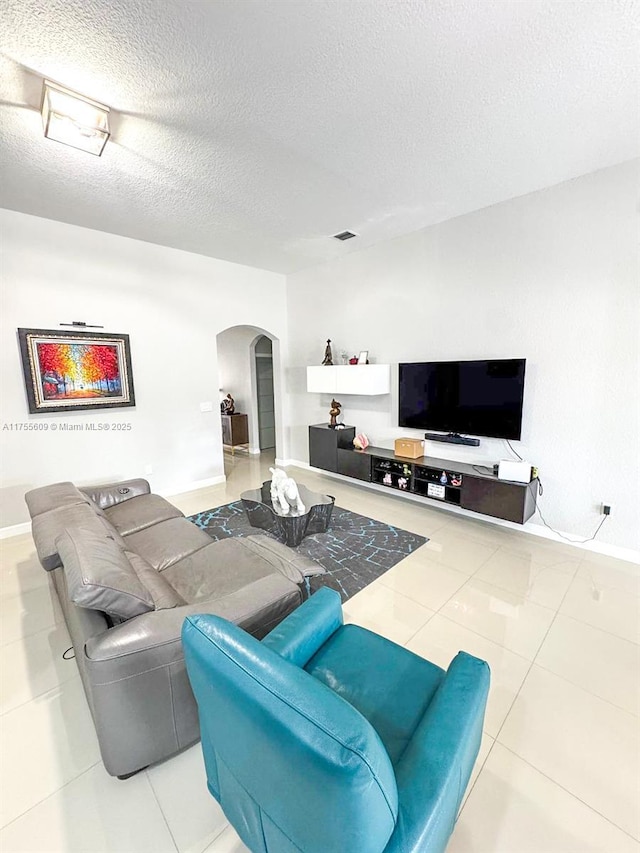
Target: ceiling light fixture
73,119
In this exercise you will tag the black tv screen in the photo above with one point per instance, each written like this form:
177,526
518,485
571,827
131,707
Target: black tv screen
474,397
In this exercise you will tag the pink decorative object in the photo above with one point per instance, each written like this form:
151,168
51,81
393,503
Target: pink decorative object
361,442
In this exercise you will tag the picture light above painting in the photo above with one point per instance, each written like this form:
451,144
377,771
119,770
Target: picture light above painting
69,371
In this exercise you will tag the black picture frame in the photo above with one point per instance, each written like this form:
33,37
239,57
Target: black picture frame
76,371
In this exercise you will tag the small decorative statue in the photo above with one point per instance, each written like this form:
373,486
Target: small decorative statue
328,356
334,411
228,405
361,442
284,493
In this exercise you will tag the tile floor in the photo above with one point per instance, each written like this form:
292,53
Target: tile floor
558,768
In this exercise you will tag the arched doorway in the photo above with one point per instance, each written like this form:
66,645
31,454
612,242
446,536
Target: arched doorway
249,369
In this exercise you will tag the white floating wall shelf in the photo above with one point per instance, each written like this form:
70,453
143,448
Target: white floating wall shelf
363,379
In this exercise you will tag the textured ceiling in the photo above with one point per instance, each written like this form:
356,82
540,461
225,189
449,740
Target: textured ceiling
250,130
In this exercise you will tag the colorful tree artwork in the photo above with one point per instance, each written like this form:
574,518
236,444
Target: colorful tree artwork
76,370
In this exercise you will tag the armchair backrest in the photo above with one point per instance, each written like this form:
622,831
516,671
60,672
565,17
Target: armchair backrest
282,750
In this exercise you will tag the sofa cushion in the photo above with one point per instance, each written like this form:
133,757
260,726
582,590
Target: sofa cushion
392,694
140,512
51,497
217,570
167,542
99,575
47,526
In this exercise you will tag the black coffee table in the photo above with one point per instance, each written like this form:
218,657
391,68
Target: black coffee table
290,528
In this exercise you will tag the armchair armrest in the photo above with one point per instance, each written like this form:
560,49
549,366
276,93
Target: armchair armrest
111,494
434,771
298,637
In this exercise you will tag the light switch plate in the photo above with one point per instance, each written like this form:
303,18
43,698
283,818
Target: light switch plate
207,406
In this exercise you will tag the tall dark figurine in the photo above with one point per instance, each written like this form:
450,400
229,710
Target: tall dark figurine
228,405
334,411
328,357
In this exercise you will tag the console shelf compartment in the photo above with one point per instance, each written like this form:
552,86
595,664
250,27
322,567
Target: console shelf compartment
460,484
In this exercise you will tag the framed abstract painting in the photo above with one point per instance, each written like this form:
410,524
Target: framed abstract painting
66,371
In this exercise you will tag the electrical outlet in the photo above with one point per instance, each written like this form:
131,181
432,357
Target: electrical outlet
148,469
606,509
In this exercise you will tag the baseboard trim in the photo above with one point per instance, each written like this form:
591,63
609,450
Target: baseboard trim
284,463
15,530
194,486
627,554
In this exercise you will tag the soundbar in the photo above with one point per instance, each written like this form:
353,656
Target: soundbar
452,438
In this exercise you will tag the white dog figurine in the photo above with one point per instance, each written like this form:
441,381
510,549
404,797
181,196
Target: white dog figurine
284,492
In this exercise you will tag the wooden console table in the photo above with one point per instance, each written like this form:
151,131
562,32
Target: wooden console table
235,431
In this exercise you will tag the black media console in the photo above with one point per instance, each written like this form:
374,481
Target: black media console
441,480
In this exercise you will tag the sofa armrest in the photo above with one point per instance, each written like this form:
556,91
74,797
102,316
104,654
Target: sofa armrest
148,637
298,637
434,771
111,494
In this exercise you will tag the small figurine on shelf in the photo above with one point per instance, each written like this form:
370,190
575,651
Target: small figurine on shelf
328,356
387,481
402,482
361,442
334,411
228,405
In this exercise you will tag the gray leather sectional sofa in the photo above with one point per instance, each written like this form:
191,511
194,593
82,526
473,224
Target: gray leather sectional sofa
128,567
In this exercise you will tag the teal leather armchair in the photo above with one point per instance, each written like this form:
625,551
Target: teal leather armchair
327,738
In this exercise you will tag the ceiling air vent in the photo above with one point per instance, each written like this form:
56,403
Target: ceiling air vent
344,235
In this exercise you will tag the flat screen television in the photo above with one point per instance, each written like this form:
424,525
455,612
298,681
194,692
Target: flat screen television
476,397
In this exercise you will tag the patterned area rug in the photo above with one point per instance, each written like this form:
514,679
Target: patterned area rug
355,550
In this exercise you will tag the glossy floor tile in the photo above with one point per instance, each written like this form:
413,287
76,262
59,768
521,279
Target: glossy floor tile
95,813
510,620
555,772
604,607
455,550
29,613
193,816
603,571
44,744
514,808
441,639
588,746
386,612
543,584
543,551
228,842
425,581
34,665
601,663
21,571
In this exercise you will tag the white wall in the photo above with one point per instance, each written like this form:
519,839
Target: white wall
172,304
551,277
